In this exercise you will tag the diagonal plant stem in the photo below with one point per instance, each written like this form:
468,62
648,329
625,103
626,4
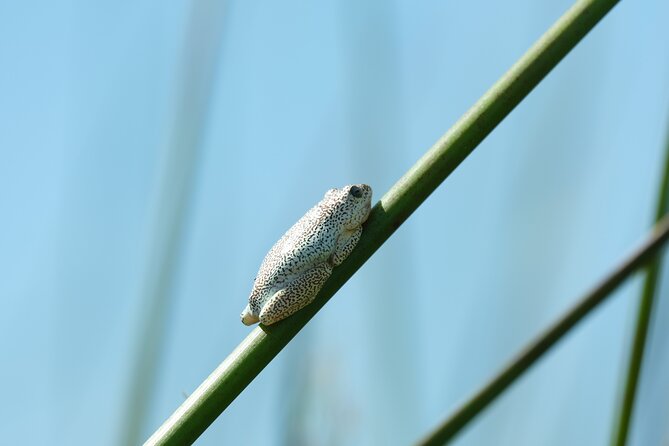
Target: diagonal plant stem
648,295
211,398
542,343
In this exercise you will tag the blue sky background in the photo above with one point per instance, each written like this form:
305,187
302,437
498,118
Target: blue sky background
136,136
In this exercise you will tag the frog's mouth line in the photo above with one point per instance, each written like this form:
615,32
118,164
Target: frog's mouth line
369,209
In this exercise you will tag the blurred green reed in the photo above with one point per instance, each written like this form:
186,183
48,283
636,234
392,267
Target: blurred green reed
648,295
459,419
176,182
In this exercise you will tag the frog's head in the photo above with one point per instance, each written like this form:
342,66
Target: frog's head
352,203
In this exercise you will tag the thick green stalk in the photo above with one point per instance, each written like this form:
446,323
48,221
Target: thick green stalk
643,321
212,397
542,343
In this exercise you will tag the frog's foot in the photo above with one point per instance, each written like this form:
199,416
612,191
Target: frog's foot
248,318
295,296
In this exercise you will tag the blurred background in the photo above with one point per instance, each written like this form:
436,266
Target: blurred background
151,153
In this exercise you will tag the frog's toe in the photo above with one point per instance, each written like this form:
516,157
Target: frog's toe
248,318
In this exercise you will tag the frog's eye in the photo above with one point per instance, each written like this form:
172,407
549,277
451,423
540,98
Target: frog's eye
355,191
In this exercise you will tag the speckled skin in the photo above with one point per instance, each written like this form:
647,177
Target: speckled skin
298,265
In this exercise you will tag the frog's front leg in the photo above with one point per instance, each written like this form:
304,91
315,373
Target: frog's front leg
345,244
295,296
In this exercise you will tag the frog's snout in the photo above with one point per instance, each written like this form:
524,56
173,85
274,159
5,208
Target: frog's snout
366,191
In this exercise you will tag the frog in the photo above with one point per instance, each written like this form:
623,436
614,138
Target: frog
298,265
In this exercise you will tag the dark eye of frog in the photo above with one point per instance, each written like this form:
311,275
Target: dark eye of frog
355,191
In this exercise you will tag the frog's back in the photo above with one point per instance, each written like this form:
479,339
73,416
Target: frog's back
298,265
308,242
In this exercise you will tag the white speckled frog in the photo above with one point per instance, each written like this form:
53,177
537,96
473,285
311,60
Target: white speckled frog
298,265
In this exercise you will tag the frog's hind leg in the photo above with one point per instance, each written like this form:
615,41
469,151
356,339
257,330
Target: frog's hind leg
295,296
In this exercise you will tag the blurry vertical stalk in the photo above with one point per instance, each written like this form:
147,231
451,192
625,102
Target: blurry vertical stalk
197,67
373,125
377,144
650,285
